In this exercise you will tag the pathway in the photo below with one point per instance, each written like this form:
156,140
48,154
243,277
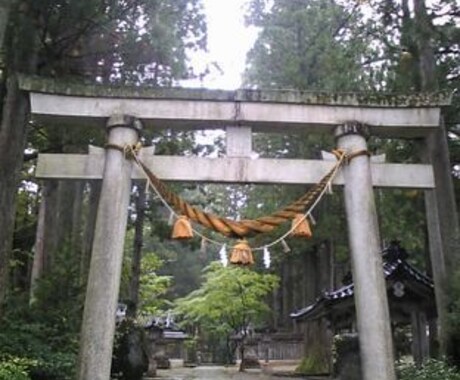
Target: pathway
229,373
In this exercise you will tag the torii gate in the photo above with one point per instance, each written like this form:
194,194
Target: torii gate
125,111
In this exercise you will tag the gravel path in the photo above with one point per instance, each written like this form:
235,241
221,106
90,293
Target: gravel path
282,370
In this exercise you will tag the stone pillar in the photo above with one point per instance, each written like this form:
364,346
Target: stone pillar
96,341
371,302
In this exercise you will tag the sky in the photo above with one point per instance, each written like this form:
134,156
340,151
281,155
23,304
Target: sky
228,42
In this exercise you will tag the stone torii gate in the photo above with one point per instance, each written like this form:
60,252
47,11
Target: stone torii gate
351,118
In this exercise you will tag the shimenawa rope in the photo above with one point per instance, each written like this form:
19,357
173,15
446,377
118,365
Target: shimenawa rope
243,228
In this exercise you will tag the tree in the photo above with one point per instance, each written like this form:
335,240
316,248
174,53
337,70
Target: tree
305,45
92,41
229,302
13,111
404,46
124,42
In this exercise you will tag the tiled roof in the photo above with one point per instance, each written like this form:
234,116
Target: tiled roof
394,259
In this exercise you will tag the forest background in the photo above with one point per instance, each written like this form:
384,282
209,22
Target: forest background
46,228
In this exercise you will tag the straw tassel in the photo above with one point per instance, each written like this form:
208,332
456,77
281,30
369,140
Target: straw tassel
301,227
182,229
241,253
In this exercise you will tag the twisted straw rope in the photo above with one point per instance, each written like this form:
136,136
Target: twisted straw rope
242,228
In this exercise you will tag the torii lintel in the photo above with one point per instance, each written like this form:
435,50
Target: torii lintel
283,111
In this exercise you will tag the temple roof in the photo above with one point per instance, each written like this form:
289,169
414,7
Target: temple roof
396,271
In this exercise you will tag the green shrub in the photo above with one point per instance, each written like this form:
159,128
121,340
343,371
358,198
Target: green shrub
431,370
14,369
313,364
35,344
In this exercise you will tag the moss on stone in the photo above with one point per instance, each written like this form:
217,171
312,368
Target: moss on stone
313,364
375,99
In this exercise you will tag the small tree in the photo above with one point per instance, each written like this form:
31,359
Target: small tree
228,302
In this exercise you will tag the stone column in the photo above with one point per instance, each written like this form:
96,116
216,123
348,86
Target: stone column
98,326
371,301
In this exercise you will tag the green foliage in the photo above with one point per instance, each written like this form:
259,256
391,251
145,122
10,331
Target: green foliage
13,368
313,365
152,286
44,335
36,347
229,300
307,45
431,370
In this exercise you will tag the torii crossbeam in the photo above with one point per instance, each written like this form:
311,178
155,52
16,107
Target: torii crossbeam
350,117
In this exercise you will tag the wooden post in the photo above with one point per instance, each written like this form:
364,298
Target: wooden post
370,293
105,271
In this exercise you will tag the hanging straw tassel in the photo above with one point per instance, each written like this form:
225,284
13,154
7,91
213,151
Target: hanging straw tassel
182,228
241,253
300,226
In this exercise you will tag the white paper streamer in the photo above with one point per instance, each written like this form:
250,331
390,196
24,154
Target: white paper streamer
203,245
223,255
171,219
286,248
267,259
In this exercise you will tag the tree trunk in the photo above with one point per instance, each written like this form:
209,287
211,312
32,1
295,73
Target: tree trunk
442,198
12,143
242,350
317,337
88,233
5,7
51,228
286,293
76,234
13,127
137,252
38,264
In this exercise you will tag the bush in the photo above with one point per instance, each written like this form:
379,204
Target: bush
14,369
313,365
33,343
431,370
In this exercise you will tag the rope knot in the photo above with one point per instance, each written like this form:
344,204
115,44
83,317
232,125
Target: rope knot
352,155
130,151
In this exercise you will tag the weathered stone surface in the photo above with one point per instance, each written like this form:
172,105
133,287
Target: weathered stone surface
233,169
275,110
51,86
